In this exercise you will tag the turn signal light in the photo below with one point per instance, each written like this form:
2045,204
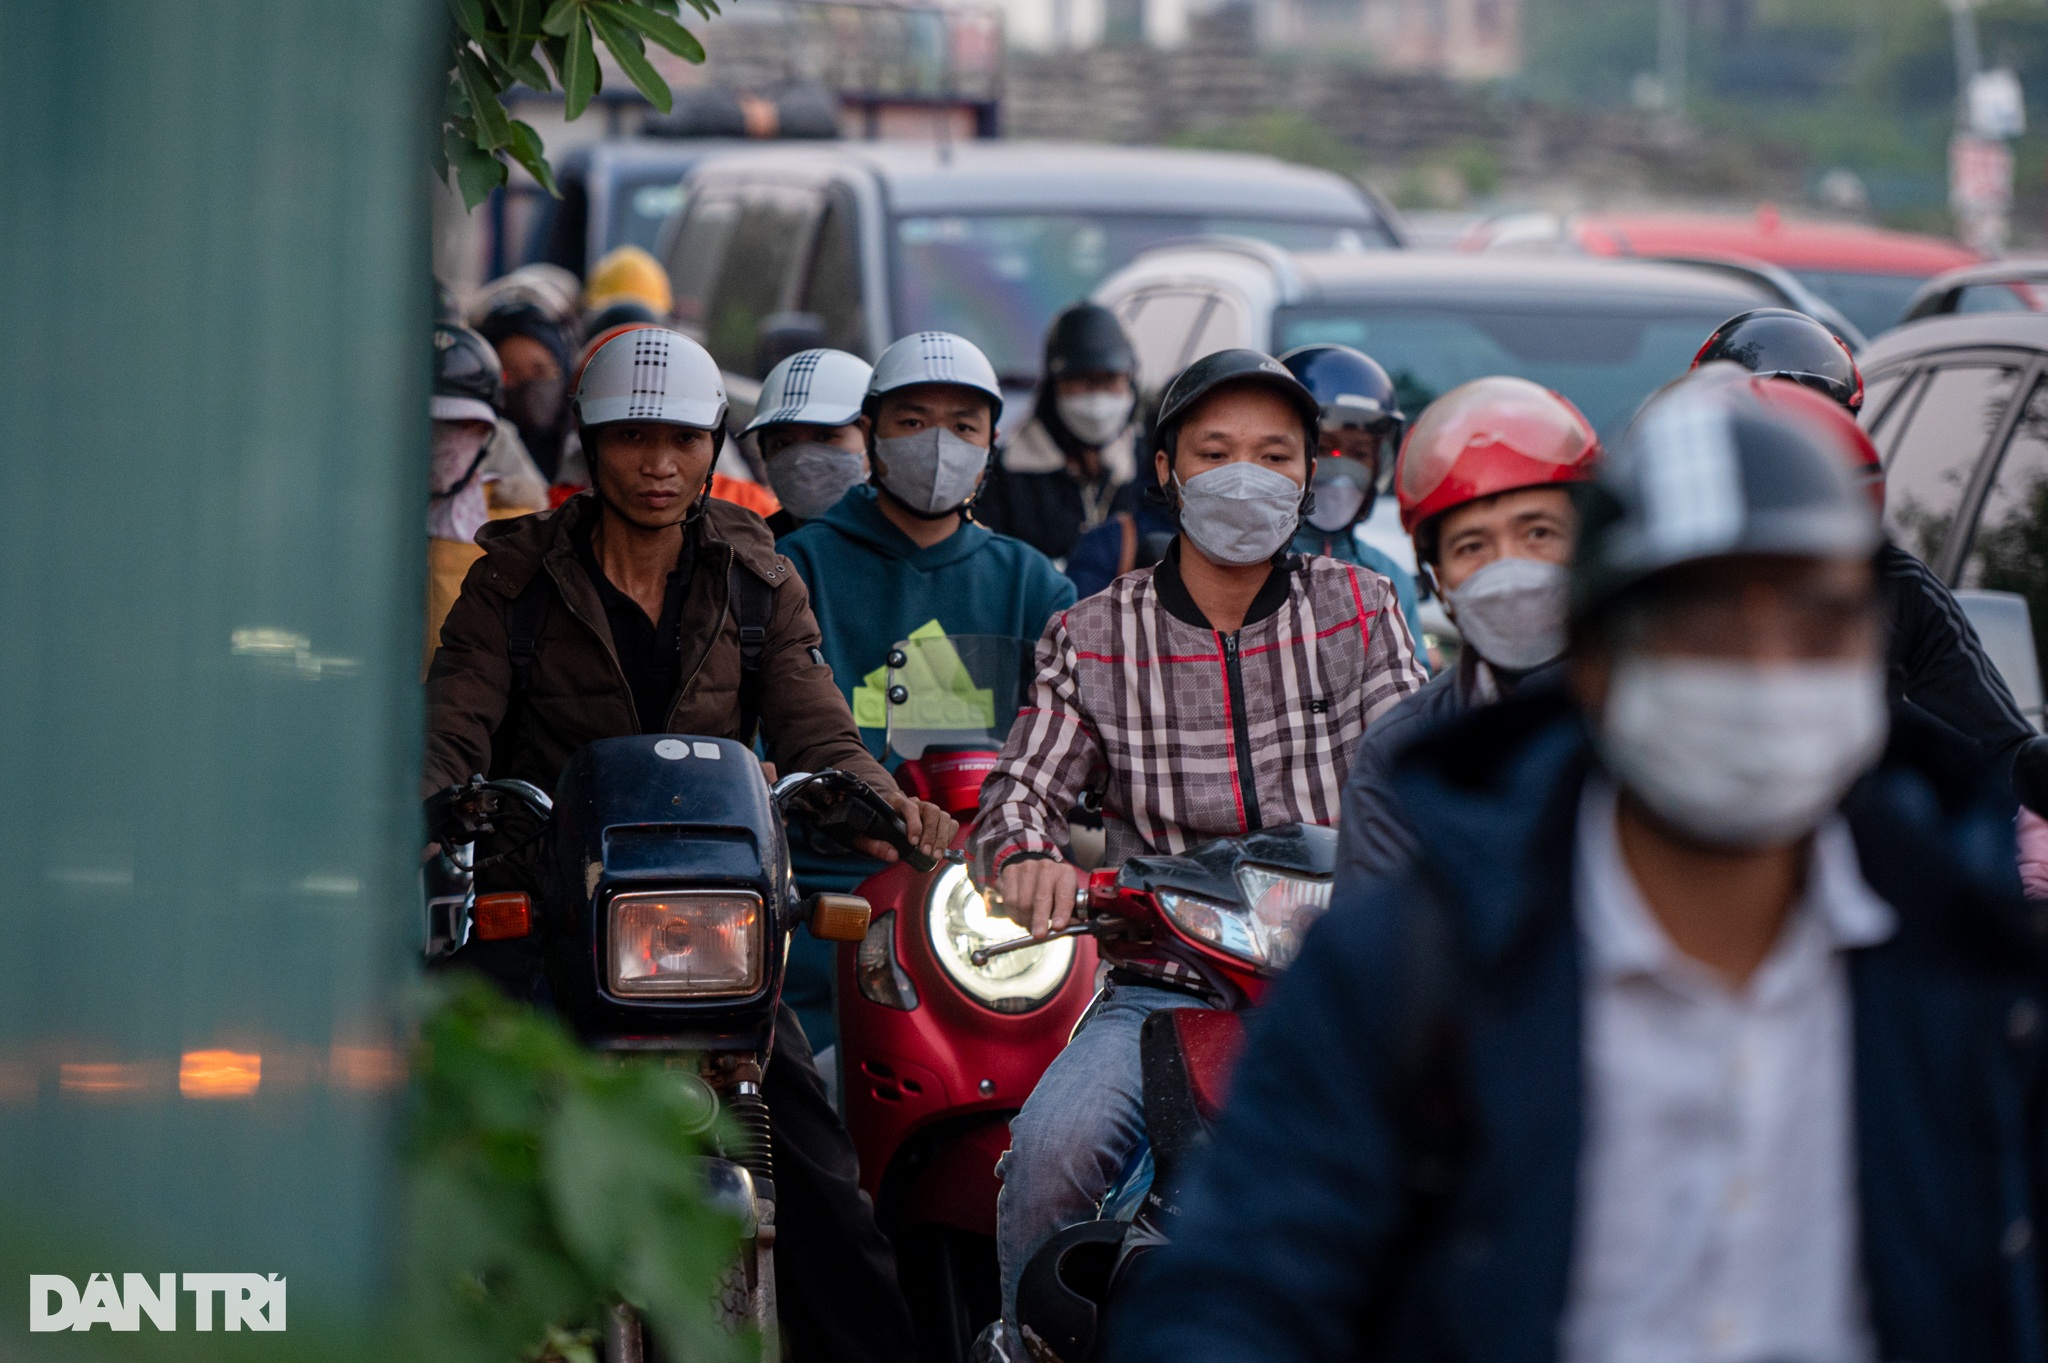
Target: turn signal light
499,916
839,917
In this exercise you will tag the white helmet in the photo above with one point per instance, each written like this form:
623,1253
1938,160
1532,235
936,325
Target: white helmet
935,357
649,373
815,387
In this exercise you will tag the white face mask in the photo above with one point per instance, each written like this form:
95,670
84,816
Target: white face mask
1742,754
811,476
1241,513
1513,612
1095,418
1338,501
933,471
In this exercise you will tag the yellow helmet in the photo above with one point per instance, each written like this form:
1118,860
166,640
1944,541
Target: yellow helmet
628,272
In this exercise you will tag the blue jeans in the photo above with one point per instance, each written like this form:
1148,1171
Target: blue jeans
1077,1129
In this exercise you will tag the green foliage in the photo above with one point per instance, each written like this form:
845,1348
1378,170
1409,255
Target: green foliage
1276,132
497,44
547,1183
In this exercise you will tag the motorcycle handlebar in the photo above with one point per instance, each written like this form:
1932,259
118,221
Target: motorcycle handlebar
462,813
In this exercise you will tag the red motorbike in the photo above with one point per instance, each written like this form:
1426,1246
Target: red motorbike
938,1047
1234,911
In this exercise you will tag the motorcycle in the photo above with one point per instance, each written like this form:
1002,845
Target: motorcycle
938,1049
1234,911
663,918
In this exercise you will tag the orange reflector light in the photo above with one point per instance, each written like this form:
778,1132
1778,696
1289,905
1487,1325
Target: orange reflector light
839,917
219,1074
499,916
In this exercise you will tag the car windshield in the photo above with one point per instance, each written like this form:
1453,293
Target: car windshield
640,206
998,279
1607,359
1874,302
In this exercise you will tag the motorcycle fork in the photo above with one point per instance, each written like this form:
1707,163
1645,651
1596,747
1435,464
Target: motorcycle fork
736,1079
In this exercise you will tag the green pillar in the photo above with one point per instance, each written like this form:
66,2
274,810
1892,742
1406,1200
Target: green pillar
213,351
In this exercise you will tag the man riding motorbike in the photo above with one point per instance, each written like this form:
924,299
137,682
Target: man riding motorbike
1935,661
628,610
1484,483
1362,425
811,434
1067,470
1222,690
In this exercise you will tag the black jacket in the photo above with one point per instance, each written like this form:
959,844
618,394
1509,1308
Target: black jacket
1305,1236
1938,667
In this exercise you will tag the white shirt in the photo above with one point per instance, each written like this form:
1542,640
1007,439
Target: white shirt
1717,1214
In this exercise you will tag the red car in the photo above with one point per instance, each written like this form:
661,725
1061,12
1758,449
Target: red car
1868,273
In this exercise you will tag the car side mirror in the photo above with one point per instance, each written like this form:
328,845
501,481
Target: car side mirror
838,917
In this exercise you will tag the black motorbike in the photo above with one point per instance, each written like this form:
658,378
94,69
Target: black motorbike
661,926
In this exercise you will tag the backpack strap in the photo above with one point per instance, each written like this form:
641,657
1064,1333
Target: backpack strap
753,606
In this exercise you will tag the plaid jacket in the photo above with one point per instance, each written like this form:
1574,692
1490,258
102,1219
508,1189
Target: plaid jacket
1189,733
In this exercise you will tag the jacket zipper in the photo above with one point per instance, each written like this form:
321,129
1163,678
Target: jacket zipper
603,636
717,632
1241,733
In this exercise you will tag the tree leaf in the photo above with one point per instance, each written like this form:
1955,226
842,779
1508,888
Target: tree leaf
477,172
707,8
493,125
469,16
579,74
527,151
659,27
631,55
561,14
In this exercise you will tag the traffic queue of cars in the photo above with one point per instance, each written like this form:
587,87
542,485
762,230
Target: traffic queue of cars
774,247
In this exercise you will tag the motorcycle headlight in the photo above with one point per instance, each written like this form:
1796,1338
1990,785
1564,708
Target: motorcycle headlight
685,944
960,923
1267,928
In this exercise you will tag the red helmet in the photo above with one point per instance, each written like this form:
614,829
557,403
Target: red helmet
1802,403
1490,436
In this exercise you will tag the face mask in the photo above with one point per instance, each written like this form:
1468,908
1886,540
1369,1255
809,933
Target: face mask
1096,418
535,405
932,472
811,476
1241,513
1512,612
1739,754
458,506
1338,502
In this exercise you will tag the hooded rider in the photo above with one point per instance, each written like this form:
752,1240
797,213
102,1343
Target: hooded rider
1484,482
811,433
1068,470
1362,425
469,389
1220,691
627,604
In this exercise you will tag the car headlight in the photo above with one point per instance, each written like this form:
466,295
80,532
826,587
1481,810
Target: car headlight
1267,928
960,924
685,944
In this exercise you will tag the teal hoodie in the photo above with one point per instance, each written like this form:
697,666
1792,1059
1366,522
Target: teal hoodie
870,587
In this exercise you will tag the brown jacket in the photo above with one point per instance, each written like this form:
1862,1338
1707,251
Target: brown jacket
576,691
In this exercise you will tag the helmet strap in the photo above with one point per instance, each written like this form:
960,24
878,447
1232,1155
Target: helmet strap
464,480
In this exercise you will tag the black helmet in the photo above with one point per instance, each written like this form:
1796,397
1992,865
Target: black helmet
1350,388
1707,471
1780,344
1065,1285
625,312
1225,367
1087,339
469,384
